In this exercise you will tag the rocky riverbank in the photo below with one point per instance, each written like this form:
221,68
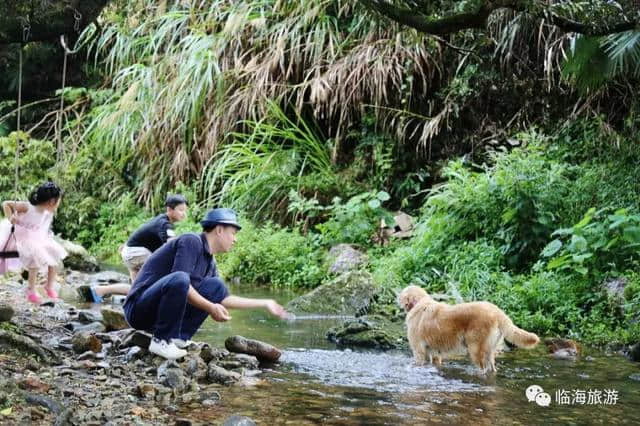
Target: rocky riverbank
60,364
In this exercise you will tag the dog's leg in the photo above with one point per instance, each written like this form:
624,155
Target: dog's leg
477,355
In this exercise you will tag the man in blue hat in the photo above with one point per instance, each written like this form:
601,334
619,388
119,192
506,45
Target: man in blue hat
179,286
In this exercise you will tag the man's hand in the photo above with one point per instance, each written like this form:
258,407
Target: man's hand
275,308
219,313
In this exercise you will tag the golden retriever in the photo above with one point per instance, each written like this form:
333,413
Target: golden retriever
437,329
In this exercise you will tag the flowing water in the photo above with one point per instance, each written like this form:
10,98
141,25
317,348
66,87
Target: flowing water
317,382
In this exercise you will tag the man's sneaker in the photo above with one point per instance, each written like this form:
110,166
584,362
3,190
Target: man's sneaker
183,344
165,350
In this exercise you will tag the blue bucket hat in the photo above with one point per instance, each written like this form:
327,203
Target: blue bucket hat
220,217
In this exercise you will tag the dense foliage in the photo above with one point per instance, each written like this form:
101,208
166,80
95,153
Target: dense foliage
319,119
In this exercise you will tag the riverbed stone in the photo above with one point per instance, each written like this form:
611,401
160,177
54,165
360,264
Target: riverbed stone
351,293
85,341
261,350
345,258
208,353
217,374
78,257
114,319
6,312
88,316
237,420
372,331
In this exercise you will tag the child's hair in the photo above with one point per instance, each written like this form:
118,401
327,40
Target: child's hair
44,193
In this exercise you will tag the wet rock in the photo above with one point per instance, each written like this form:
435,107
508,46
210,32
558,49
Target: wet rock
87,316
634,352
195,367
170,375
94,327
262,351
209,396
565,349
78,257
346,258
87,355
235,361
146,390
369,332
85,341
348,294
137,338
43,401
208,354
135,352
114,319
33,384
237,420
219,375
109,277
6,312
181,421
174,379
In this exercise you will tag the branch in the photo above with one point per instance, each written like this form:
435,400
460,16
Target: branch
26,20
477,19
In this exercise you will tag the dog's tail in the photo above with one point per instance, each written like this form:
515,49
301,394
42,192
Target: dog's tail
516,335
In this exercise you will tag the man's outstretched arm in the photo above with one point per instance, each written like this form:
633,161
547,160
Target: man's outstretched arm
236,302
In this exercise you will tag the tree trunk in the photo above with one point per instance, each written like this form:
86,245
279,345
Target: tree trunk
42,20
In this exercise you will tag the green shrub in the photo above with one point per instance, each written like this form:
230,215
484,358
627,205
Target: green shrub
272,255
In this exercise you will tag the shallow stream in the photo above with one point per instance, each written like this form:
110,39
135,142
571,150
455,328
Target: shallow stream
317,382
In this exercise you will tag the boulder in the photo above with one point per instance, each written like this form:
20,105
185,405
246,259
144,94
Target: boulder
113,319
369,332
262,351
78,257
6,312
351,293
346,258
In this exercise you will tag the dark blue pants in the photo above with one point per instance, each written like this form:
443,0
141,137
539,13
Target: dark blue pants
162,308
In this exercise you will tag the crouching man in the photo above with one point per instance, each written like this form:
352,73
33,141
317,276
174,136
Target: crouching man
178,287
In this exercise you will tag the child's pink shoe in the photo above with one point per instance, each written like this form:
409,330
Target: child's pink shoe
51,293
33,297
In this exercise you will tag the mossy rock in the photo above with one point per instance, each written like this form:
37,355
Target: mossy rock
351,293
369,332
78,257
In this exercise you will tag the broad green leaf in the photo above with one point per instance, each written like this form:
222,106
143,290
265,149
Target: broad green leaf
374,204
631,234
562,232
582,270
552,248
578,244
383,196
558,262
579,258
586,219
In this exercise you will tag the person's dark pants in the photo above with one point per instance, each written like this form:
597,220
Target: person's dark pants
162,308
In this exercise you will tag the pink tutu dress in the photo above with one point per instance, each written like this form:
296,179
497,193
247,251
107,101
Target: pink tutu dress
34,240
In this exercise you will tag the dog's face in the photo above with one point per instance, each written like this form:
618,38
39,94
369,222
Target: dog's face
411,295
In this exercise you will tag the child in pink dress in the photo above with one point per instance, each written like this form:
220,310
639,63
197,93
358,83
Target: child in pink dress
33,237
